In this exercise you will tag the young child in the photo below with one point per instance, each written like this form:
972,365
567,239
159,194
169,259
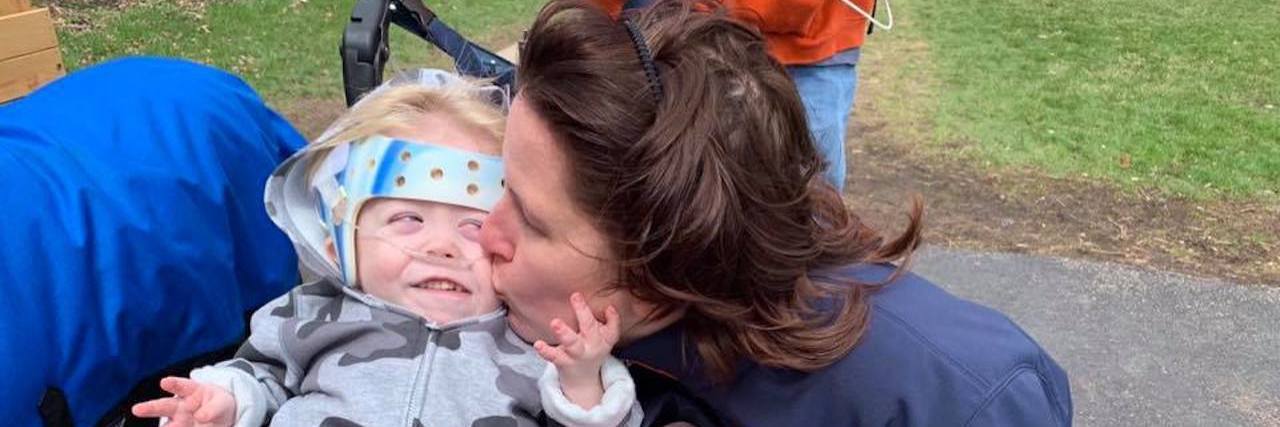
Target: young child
404,328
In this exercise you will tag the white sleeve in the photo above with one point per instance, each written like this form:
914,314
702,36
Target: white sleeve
250,395
619,398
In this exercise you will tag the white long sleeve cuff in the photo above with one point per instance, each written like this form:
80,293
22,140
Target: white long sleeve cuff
251,397
619,397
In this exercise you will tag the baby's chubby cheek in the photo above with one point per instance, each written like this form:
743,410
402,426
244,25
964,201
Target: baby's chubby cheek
483,271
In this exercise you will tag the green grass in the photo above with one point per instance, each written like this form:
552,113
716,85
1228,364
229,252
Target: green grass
286,49
1180,96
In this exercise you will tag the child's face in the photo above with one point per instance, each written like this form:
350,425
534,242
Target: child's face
447,278
438,291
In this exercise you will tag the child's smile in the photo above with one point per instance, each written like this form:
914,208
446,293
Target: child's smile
423,256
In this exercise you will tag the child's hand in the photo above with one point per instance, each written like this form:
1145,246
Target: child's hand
580,354
193,404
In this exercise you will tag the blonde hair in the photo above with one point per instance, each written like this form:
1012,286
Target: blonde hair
399,105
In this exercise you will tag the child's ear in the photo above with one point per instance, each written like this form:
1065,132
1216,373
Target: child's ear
330,249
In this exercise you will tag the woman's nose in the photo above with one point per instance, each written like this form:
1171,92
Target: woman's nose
495,246
493,237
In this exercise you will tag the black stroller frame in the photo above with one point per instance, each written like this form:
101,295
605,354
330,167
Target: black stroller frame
366,46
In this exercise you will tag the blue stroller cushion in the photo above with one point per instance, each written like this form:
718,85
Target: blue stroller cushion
133,234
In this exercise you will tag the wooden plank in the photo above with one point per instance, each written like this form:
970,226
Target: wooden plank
26,32
23,74
14,6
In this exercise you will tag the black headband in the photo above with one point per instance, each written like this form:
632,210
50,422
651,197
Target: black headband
646,57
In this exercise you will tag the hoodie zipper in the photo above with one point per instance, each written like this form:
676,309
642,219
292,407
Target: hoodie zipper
418,394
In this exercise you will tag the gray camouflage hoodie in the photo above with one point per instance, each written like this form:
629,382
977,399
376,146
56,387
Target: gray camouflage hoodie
329,355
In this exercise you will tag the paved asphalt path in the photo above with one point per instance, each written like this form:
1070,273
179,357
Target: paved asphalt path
1142,347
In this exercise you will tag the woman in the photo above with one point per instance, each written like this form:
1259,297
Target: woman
661,163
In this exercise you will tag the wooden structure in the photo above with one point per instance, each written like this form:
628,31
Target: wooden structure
29,54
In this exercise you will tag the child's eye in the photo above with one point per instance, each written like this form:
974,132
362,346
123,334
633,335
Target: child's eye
405,222
469,228
405,216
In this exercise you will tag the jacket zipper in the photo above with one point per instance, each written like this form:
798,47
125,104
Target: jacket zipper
419,391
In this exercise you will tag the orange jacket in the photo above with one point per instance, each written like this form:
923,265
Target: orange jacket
798,31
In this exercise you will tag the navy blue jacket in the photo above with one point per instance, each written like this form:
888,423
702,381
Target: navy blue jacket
927,359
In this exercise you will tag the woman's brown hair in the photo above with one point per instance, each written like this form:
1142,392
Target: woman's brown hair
713,195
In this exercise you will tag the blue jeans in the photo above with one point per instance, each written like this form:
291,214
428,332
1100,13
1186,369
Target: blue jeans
827,92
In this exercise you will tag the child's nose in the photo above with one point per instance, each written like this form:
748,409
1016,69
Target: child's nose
441,242
446,253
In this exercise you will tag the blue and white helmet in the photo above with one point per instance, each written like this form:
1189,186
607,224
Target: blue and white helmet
352,173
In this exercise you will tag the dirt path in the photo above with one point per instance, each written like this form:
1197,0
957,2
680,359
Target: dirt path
1024,211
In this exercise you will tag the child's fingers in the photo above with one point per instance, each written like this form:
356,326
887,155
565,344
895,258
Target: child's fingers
207,412
567,337
580,310
550,353
180,387
179,421
571,343
186,407
611,326
611,316
156,408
